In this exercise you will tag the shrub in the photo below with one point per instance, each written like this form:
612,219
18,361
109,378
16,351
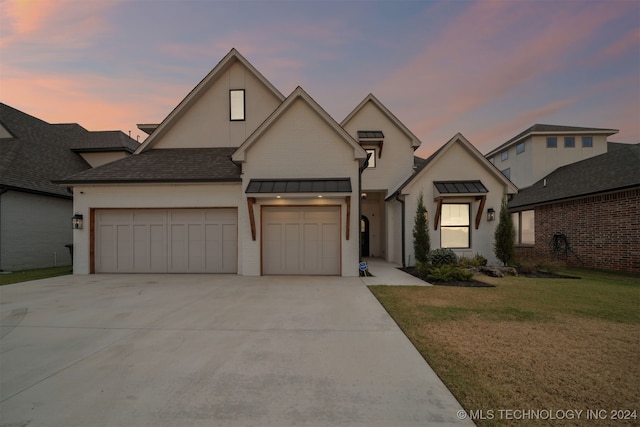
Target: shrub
441,256
504,236
448,273
423,269
477,261
421,240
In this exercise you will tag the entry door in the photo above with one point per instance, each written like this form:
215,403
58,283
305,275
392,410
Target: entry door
301,240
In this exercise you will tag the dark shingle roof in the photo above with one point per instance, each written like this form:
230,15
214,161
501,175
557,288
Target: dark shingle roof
550,129
460,187
165,165
615,170
36,154
319,185
40,152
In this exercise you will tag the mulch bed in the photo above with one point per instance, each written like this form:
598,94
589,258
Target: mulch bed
467,284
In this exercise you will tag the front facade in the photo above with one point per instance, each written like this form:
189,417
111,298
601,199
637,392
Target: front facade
241,179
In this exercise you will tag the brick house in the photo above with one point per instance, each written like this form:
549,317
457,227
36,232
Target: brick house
586,213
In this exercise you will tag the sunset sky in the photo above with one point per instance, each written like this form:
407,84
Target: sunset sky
488,69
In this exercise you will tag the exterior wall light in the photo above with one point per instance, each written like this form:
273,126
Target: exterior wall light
363,195
76,222
491,214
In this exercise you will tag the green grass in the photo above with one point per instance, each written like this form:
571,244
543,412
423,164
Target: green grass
529,343
35,274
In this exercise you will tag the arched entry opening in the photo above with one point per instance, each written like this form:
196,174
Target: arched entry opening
364,236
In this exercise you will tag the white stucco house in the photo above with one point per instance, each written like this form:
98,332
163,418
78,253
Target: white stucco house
240,179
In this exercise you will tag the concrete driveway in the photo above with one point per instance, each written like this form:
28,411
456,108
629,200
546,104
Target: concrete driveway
209,350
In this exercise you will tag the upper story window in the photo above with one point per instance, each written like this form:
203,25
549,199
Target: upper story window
587,141
520,148
236,104
372,157
569,141
492,160
552,142
504,155
507,172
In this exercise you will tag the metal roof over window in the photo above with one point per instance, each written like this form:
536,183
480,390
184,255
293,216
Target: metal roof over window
460,187
334,185
370,134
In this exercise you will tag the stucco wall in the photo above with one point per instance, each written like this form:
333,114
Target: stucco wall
151,196
207,122
603,231
34,230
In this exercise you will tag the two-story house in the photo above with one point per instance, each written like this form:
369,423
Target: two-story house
239,178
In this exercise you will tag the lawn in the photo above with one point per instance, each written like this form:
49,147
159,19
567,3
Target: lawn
39,273
531,345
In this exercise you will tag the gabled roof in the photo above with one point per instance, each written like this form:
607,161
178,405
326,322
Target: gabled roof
415,142
299,94
229,59
39,152
167,165
542,129
617,169
93,141
424,165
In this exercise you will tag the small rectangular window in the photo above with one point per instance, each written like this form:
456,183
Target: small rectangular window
492,160
520,148
552,142
587,141
569,141
507,172
504,155
524,225
236,104
372,157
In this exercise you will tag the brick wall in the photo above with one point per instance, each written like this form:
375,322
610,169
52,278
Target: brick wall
603,231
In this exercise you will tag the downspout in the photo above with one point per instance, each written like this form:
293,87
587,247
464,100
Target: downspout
403,227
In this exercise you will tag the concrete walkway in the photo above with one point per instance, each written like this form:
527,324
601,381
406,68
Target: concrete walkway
387,273
210,350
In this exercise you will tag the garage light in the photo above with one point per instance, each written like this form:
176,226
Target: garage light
76,222
491,214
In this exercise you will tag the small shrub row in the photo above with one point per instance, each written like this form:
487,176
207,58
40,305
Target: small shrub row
444,266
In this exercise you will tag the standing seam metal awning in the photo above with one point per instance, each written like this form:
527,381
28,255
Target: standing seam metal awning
460,187
319,185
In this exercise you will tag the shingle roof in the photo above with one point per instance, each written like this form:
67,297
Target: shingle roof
617,169
165,165
37,154
551,129
40,152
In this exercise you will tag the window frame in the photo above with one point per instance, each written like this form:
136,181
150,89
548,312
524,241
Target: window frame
555,142
232,101
457,226
585,139
520,148
516,218
504,155
506,172
568,144
372,158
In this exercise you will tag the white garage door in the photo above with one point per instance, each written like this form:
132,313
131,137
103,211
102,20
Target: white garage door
166,240
301,240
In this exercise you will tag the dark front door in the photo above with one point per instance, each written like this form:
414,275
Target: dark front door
364,236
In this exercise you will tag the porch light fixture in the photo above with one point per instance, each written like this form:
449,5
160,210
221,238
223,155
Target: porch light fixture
491,214
363,195
76,222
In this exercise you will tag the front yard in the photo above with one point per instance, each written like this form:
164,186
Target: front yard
535,347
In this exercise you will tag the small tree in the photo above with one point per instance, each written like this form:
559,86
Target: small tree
504,244
421,241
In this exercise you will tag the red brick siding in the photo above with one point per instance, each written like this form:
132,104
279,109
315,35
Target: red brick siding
603,231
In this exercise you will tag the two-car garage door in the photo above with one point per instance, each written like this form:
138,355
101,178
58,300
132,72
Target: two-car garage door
166,240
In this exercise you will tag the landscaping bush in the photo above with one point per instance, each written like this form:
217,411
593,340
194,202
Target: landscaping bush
475,262
449,273
438,257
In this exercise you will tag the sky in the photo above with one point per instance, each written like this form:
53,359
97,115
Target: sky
487,69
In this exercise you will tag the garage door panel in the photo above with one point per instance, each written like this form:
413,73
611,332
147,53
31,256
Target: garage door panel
301,240
166,240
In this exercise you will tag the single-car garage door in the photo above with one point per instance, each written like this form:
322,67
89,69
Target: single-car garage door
166,240
301,240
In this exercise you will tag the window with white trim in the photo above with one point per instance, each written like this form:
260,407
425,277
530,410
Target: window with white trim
236,104
524,224
372,157
455,228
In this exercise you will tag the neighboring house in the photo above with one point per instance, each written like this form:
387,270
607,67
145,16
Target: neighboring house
587,213
35,214
541,149
241,179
